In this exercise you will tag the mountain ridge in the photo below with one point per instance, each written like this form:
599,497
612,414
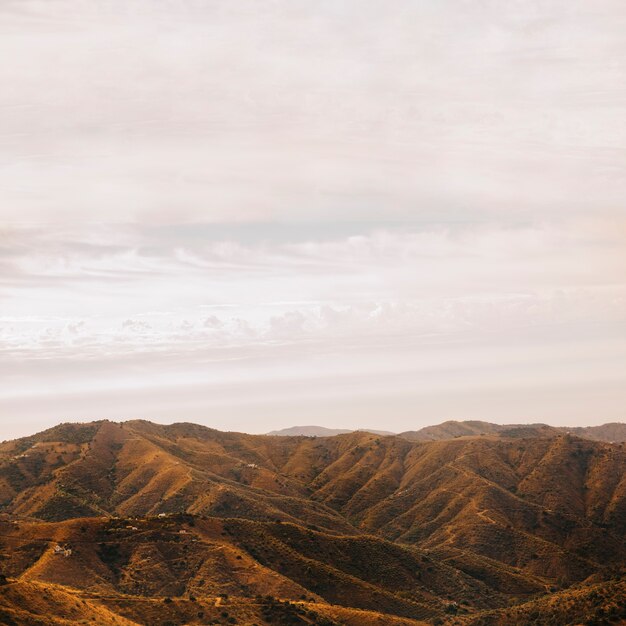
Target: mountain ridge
609,432
414,530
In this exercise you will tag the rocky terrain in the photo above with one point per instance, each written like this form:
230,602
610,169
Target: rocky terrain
139,523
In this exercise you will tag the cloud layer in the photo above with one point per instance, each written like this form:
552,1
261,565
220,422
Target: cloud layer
387,313
256,214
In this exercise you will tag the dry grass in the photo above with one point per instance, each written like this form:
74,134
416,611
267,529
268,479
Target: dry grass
441,530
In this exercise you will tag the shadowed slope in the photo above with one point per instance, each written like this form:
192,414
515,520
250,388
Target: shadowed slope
183,556
599,603
474,520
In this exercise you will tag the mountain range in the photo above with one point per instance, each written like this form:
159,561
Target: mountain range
461,523
321,431
613,432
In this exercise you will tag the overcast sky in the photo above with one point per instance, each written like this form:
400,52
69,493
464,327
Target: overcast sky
349,213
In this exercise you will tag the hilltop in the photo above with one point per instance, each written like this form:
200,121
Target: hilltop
474,527
613,432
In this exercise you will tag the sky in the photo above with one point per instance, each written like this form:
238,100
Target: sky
350,213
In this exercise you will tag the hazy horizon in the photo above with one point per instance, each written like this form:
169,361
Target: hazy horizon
253,216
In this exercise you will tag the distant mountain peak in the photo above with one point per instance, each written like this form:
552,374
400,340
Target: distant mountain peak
322,431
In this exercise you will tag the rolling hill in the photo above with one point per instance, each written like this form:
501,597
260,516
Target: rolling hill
613,432
170,522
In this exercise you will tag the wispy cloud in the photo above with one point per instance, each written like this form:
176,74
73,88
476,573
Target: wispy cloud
317,208
154,311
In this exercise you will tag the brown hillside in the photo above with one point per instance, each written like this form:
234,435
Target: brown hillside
611,433
415,529
600,603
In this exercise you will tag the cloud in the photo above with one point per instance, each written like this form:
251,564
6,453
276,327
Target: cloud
322,196
136,326
370,284
75,327
213,322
